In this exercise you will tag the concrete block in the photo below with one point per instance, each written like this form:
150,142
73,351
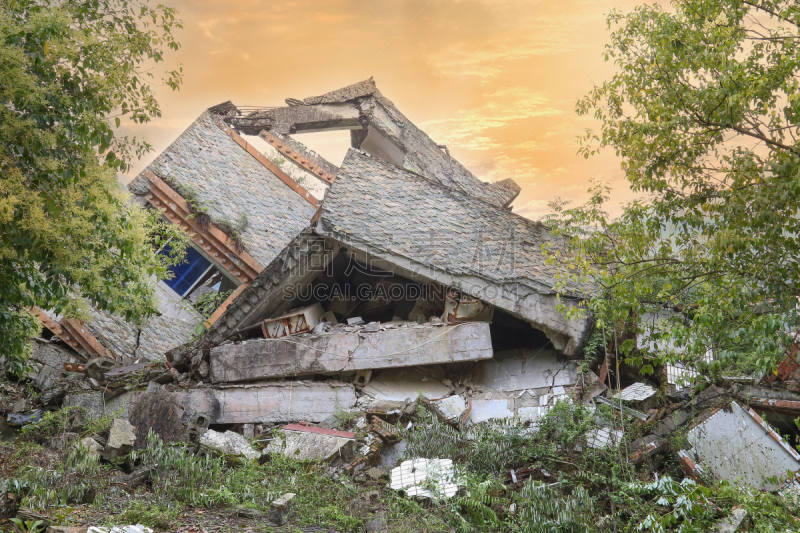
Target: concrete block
347,351
121,437
731,523
483,410
287,401
281,509
450,408
230,444
436,474
309,446
517,370
97,406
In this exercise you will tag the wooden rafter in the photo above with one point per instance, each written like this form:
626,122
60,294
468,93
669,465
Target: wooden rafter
212,240
73,332
272,167
297,158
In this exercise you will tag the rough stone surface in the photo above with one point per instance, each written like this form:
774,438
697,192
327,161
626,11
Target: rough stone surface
158,411
343,351
306,446
230,184
96,406
268,403
91,446
121,438
281,509
229,444
516,370
97,367
52,358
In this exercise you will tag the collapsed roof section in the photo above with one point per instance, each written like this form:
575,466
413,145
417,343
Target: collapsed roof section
406,225
208,167
380,129
404,222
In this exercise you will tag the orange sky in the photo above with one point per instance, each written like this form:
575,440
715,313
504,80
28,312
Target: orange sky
494,80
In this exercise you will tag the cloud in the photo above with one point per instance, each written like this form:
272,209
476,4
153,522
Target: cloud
473,129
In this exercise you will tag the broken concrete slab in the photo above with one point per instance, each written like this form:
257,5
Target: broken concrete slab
229,444
120,441
398,385
640,396
312,444
516,370
341,351
435,474
286,401
449,409
735,444
97,403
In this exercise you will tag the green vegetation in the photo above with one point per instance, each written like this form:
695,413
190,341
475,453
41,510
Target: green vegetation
703,111
72,71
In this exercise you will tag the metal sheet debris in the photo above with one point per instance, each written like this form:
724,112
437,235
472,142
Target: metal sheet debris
737,445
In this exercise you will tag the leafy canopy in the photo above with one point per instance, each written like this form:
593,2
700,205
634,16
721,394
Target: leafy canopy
704,112
69,71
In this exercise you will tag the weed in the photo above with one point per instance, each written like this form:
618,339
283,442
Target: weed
74,480
158,515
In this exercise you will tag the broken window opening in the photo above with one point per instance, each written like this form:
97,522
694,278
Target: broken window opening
197,276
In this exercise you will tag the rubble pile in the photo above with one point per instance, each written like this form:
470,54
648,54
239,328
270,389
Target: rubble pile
410,290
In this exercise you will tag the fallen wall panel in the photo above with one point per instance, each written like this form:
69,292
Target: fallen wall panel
277,402
343,351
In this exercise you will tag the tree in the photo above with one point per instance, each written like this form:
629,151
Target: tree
704,112
68,72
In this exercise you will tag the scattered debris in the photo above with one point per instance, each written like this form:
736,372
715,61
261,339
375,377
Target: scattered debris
231,445
733,522
308,443
121,438
281,509
138,528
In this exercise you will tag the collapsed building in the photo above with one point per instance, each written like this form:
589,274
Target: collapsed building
408,278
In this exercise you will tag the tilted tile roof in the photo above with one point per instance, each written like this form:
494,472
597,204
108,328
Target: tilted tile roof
386,207
231,184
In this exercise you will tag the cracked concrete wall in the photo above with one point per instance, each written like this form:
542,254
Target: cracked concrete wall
343,352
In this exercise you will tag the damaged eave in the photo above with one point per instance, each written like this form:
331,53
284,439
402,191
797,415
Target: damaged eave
213,241
380,129
73,332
